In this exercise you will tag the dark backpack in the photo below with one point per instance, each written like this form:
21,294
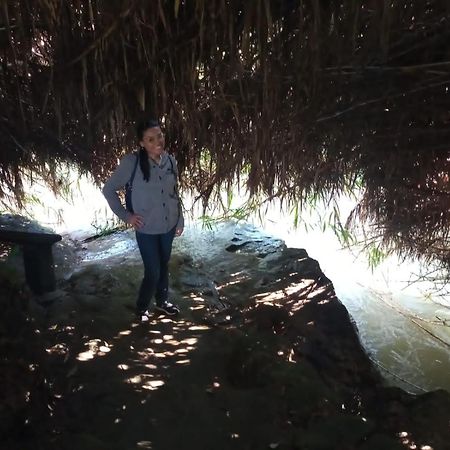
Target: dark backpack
129,188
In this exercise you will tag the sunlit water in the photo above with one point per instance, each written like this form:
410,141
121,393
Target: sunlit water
394,319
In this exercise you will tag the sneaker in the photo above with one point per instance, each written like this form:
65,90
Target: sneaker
144,316
167,308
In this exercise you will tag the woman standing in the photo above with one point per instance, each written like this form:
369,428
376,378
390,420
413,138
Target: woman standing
155,212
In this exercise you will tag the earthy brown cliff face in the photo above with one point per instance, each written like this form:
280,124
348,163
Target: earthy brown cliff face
304,98
263,355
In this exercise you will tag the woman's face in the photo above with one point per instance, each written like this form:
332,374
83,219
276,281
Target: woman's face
153,142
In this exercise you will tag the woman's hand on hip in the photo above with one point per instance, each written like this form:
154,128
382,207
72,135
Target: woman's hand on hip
179,231
136,221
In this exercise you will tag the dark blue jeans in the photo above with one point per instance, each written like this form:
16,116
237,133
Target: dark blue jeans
155,252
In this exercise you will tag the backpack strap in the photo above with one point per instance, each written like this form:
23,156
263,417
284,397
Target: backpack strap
171,165
176,190
129,188
130,181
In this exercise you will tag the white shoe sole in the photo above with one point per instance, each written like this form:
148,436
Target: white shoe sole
159,309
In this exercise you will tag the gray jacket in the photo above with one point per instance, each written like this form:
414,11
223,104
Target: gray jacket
157,200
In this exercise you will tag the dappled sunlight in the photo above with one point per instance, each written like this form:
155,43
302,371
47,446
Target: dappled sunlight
58,349
232,282
152,385
326,289
163,354
235,278
287,355
151,366
197,303
134,380
95,349
196,308
323,302
275,297
295,288
170,341
212,387
407,440
125,333
86,356
199,328
235,274
189,341
168,320
181,350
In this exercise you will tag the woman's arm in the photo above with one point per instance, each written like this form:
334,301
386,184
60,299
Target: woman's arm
116,182
180,224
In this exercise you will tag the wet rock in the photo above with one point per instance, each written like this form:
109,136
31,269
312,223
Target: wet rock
66,258
93,280
50,297
428,428
250,240
16,222
180,260
193,280
264,281
268,317
306,394
381,442
236,247
87,442
342,431
250,363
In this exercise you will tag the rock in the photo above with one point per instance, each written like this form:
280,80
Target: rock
250,363
381,442
50,297
432,429
264,281
236,247
93,279
250,240
268,317
341,431
20,223
194,280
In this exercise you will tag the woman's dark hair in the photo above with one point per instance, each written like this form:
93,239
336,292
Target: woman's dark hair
141,127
